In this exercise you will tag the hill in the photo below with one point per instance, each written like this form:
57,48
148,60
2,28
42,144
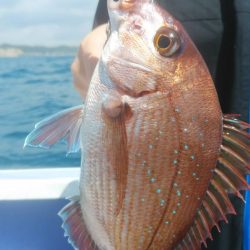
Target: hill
8,50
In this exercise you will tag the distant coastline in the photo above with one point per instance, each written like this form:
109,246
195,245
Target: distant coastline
7,50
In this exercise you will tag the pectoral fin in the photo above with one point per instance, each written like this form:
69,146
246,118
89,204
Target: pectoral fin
64,125
115,137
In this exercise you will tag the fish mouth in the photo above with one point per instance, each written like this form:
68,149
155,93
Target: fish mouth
135,64
112,54
131,77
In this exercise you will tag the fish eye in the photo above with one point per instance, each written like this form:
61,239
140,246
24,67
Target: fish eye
167,41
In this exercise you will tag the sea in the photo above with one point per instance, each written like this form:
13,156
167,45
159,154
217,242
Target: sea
31,89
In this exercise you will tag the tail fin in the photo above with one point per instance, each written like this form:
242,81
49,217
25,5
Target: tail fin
74,226
64,125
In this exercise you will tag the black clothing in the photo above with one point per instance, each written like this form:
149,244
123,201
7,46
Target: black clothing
221,31
101,15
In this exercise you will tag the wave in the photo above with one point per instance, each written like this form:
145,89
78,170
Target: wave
33,88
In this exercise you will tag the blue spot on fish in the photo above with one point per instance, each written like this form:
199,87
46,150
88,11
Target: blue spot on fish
153,180
158,191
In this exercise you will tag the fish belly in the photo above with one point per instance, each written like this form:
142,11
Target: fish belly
172,149
103,154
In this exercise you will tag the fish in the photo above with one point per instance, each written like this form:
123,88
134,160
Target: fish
159,158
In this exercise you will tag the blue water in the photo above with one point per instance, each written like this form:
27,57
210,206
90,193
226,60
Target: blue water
32,88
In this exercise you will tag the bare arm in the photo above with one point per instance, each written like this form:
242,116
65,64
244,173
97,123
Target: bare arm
87,58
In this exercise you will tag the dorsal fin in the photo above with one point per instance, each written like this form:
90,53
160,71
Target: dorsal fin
229,178
64,125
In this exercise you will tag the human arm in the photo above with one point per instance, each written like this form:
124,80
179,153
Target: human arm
87,58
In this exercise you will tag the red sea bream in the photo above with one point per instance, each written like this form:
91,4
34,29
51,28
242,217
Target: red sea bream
158,157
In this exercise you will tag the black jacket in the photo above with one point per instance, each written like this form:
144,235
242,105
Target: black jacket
221,31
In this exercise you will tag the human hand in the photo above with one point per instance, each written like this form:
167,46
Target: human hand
88,55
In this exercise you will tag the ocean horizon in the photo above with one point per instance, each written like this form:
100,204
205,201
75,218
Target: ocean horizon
10,50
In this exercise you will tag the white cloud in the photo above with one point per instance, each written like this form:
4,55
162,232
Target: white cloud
45,22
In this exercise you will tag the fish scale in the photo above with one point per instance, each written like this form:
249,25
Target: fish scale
159,159
208,159
93,165
153,162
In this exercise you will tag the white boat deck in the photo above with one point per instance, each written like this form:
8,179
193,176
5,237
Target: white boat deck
36,184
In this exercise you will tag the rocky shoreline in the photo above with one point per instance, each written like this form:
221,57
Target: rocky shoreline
17,51
11,52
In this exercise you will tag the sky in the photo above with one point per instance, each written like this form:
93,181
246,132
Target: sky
45,22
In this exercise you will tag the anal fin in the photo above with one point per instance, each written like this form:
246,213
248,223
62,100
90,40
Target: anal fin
74,226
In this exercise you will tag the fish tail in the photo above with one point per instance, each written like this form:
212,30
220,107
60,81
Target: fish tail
229,178
74,226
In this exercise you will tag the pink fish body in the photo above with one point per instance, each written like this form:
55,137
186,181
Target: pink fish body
158,157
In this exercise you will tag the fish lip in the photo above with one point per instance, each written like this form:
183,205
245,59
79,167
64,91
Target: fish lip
119,57
128,62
